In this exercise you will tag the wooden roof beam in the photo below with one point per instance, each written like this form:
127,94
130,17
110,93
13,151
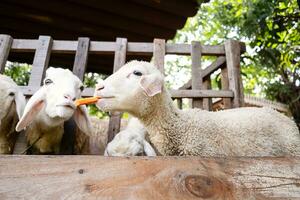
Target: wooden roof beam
182,8
84,17
63,24
137,12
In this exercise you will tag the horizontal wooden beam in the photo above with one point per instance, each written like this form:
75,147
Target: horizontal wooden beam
28,91
97,177
201,93
134,48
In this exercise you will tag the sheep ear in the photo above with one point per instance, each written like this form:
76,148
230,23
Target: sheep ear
82,120
20,102
148,149
32,108
151,84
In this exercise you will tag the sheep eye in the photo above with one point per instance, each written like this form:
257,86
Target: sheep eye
11,94
48,81
137,73
81,88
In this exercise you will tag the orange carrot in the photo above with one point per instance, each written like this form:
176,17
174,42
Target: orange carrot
85,101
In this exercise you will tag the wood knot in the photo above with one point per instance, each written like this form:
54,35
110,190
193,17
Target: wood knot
205,187
80,171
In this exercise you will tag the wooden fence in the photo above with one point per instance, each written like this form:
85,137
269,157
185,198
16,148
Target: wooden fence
95,177
227,58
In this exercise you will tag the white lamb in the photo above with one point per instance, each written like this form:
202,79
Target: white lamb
138,88
12,103
48,109
130,142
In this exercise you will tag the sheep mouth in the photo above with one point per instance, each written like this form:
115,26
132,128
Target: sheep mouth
107,97
67,105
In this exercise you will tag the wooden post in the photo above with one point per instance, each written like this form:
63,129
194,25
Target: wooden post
159,51
5,44
41,60
207,102
225,86
196,72
39,66
81,57
232,50
179,103
119,61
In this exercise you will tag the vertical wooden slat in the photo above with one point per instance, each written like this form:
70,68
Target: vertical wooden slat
179,103
225,86
41,60
79,67
5,44
21,143
207,102
39,66
196,72
119,61
81,57
159,51
232,50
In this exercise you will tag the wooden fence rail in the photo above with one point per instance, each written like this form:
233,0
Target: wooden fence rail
94,177
198,88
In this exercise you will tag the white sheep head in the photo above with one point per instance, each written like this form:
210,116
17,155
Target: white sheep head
11,98
131,85
56,99
130,142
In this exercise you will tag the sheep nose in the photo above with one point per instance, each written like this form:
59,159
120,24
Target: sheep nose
66,96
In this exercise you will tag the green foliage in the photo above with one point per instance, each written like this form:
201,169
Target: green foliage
90,80
19,72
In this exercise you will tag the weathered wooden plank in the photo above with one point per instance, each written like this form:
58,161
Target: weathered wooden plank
201,93
88,92
225,86
134,48
119,61
185,49
159,51
232,49
214,66
81,57
41,60
196,72
96,177
207,102
5,44
179,103
21,144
